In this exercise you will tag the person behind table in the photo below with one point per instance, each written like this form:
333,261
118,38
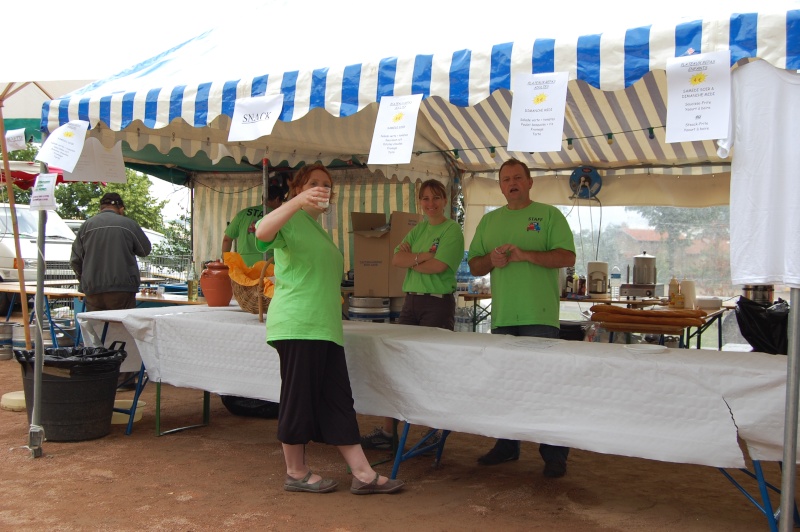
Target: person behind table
431,253
242,228
304,325
104,261
522,246
104,256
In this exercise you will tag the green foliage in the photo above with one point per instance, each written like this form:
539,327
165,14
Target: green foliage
178,238
84,201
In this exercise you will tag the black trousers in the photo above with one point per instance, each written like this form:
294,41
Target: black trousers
316,398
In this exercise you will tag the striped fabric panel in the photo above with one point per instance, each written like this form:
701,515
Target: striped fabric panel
462,78
216,202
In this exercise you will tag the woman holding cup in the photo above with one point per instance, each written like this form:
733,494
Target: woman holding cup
304,325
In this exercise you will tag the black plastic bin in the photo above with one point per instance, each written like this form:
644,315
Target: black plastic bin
79,385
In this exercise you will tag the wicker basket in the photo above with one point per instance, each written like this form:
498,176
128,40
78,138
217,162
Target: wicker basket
252,298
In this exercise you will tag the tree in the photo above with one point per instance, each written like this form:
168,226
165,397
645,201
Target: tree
178,240
81,200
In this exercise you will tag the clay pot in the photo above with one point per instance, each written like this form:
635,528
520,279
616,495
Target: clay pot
216,284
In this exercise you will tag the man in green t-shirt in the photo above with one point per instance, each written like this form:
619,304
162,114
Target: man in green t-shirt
522,245
242,228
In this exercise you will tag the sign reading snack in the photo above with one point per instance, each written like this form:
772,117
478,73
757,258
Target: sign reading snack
254,117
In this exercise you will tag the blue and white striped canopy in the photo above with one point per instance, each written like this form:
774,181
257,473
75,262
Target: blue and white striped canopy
184,98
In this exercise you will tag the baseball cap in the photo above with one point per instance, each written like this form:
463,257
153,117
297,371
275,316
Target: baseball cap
111,198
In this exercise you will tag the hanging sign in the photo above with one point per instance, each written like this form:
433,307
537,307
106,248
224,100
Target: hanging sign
537,112
255,117
15,139
395,128
97,163
42,194
63,147
698,97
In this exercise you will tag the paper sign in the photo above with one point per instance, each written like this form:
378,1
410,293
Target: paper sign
98,164
255,117
537,112
395,128
698,97
42,194
15,139
63,147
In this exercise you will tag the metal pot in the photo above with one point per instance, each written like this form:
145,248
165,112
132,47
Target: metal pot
644,269
759,293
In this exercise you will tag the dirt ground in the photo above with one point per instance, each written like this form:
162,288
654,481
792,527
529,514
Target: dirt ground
229,476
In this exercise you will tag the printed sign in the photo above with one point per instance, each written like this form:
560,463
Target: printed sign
42,194
698,97
98,164
15,139
255,117
395,128
63,147
537,112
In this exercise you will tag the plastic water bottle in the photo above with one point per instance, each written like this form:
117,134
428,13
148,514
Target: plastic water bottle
615,280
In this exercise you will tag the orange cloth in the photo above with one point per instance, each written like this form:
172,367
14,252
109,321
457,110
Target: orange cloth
245,275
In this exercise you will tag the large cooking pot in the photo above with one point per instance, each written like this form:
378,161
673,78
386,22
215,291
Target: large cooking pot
644,269
759,293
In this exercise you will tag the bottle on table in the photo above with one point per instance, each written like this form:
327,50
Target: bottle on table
674,290
614,282
191,281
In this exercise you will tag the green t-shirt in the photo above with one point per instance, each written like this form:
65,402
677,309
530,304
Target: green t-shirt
243,229
523,293
445,240
308,274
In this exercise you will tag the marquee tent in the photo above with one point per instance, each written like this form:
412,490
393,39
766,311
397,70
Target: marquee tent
174,110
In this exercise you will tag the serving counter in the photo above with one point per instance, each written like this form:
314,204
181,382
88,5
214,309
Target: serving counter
676,406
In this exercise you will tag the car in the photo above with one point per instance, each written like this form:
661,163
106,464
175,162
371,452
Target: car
58,247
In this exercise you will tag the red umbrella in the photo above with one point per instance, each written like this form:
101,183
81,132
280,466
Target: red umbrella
24,173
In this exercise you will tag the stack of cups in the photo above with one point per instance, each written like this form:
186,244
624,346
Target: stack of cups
689,296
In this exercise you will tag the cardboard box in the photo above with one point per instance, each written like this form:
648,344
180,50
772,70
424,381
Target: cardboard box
374,241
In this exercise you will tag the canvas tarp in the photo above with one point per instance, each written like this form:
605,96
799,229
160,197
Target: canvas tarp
617,85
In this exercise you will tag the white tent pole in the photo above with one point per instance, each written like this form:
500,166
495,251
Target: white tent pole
790,419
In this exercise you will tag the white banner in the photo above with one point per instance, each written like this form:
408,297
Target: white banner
42,194
63,147
537,112
698,97
395,128
15,139
98,164
255,117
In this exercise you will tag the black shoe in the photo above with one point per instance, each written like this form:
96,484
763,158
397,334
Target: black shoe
377,439
497,456
555,469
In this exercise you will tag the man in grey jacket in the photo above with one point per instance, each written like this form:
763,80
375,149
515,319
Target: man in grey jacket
104,256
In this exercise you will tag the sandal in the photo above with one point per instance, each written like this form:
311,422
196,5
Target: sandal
320,486
367,488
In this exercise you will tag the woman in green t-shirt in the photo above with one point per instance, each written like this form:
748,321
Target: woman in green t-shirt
304,325
431,252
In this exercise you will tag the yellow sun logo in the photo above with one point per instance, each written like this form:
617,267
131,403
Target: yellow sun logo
539,98
69,134
697,79
398,117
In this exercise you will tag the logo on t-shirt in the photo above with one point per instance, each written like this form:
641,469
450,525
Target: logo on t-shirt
434,246
252,228
533,225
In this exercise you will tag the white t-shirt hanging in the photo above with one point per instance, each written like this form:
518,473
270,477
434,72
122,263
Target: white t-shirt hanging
764,206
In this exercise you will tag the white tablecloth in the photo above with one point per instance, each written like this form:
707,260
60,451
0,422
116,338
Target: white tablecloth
682,405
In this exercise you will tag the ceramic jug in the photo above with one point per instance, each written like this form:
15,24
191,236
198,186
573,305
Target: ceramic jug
216,284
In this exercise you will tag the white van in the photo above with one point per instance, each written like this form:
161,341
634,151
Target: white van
58,247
